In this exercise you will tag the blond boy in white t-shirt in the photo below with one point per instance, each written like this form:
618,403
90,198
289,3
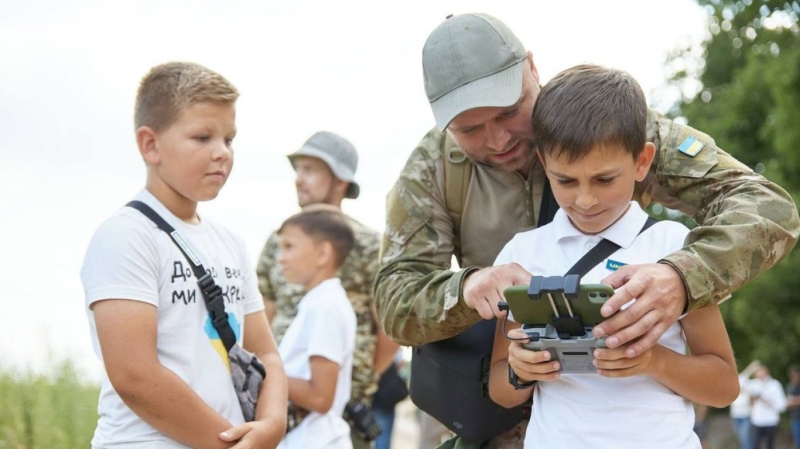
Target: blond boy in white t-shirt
167,382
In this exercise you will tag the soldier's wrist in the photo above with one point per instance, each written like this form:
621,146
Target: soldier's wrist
683,281
465,273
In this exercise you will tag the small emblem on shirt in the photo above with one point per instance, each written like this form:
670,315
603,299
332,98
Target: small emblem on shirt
613,265
691,146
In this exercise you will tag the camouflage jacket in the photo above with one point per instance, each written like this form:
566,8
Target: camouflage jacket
357,274
746,224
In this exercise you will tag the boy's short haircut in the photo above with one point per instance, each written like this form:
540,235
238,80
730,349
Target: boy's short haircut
587,107
325,225
168,89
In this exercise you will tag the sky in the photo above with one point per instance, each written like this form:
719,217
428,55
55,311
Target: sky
68,78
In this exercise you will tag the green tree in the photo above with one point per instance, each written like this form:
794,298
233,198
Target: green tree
743,88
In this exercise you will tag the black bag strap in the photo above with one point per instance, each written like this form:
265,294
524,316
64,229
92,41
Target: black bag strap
212,293
548,207
600,251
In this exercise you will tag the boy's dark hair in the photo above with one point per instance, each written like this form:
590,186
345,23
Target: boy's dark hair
325,225
589,106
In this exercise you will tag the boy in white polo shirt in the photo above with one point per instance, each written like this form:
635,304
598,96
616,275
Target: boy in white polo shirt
589,124
317,348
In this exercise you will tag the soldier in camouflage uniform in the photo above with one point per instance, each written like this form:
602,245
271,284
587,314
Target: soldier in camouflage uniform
325,167
482,86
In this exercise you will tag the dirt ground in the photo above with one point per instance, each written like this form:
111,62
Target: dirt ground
406,426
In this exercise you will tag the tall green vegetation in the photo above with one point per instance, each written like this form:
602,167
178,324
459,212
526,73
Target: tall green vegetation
56,411
743,88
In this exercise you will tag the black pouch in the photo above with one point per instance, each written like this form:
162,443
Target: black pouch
449,381
391,389
247,373
361,419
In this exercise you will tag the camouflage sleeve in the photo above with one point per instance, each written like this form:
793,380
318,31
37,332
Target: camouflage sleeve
372,265
746,224
417,294
265,263
362,264
358,275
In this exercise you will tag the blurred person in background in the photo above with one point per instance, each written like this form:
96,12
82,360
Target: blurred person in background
740,408
392,388
768,402
793,402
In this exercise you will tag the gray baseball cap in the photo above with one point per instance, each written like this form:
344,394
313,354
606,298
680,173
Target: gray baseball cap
337,152
471,61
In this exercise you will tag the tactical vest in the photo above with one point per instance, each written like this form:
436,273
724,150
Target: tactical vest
486,214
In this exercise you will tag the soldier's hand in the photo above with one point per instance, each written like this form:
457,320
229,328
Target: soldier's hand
660,299
483,289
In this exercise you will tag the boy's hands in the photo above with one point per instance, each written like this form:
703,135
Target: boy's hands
615,363
256,434
483,289
536,365
530,365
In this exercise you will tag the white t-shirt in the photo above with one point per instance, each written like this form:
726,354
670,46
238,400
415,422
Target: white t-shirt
766,410
588,410
130,258
740,408
325,326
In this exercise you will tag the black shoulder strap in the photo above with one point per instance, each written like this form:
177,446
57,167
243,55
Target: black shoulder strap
548,207
602,250
212,294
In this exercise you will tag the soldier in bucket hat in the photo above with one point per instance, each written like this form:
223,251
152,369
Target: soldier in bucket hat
325,167
473,182
338,154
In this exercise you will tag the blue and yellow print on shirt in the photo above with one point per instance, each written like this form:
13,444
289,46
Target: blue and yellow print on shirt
216,342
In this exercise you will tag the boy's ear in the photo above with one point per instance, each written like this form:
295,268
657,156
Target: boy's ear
541,158
146,141
644,160
326,253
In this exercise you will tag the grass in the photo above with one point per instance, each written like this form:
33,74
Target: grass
47,411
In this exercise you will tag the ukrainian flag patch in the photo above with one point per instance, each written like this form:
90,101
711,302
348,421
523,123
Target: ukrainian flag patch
691,146
613,265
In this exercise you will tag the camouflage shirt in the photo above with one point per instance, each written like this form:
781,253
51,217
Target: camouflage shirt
746,224
357,274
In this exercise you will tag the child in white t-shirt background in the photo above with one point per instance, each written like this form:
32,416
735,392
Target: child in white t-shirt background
317,349
589,123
